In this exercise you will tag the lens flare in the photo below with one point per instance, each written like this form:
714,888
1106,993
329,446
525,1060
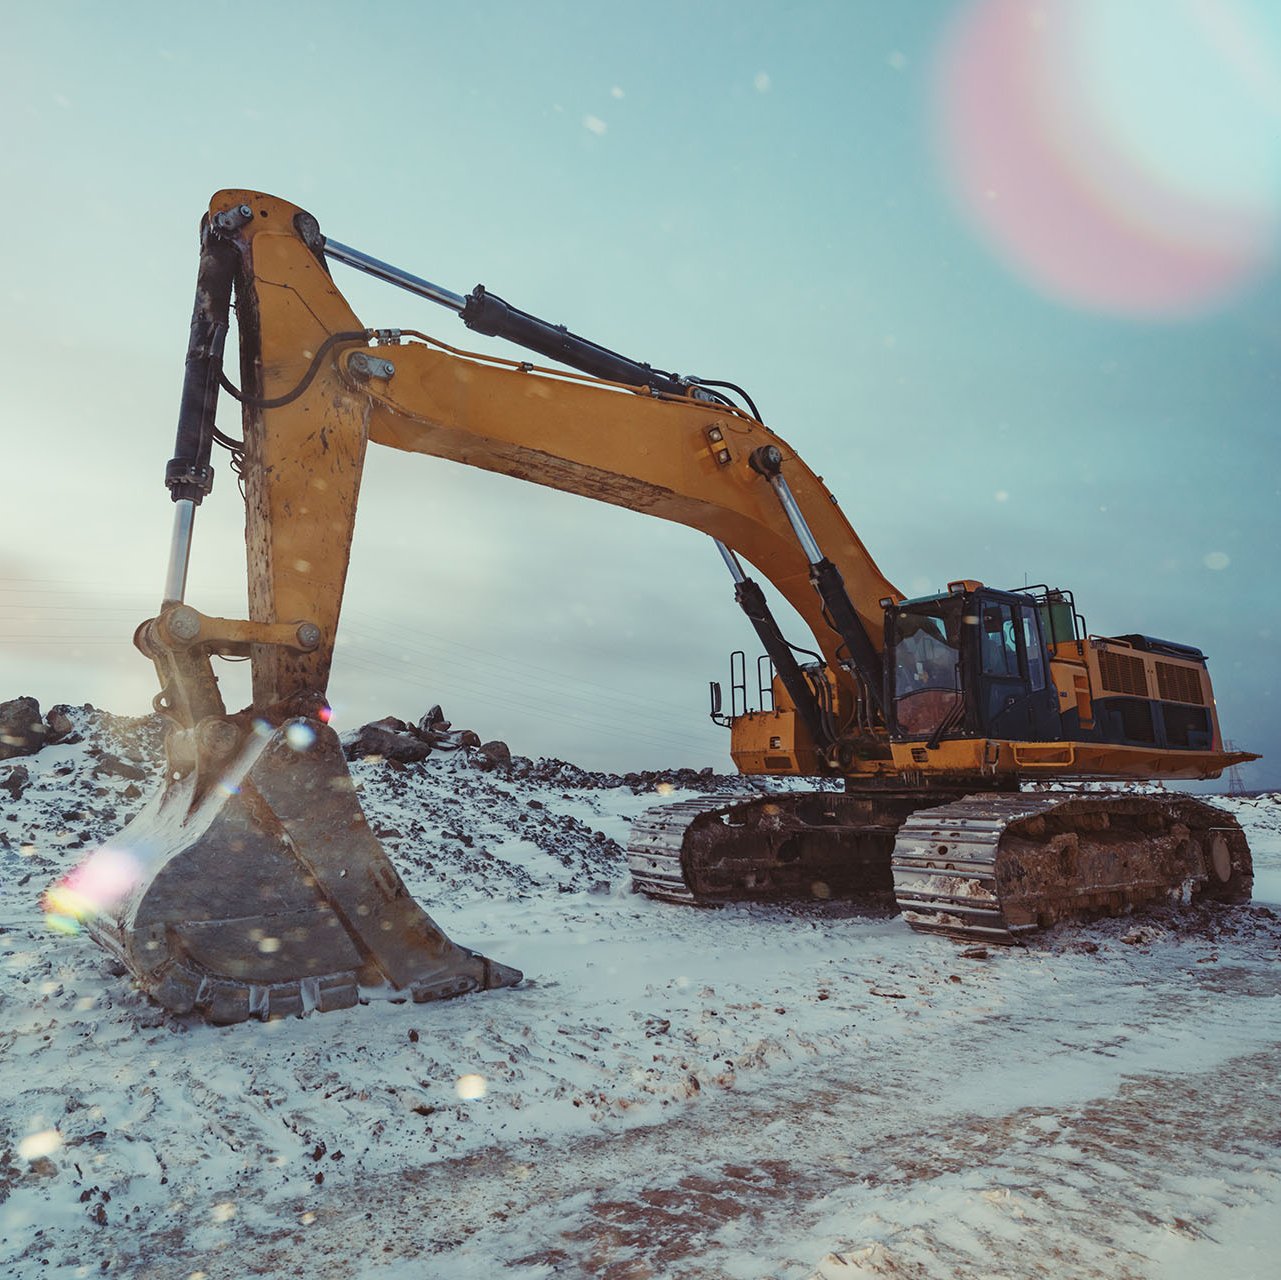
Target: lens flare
95,887
300,735
1122,157
470,1087
44,1143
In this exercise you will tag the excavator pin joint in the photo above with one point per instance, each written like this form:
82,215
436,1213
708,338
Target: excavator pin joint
218,738
183,622
766,461
231,220
360,365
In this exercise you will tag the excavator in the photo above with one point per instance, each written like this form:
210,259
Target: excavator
251,885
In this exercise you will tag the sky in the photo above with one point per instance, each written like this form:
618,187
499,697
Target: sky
1003,273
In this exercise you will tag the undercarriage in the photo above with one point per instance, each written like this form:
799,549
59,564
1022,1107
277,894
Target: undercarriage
988,866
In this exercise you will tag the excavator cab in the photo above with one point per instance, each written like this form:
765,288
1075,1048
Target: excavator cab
971,662
1019,667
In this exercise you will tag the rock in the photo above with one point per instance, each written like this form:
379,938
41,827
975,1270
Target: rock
108,763
22,731
377,740
60,723
495,753
16,780
433,719
450,739
400,743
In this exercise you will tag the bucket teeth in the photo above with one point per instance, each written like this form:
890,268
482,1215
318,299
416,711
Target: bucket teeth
260,891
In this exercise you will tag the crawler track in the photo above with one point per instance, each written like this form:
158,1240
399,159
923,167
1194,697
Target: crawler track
655,843
816,844
992,867
987,867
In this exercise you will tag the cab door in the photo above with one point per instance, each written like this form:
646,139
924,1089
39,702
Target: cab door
1003,686
1042,702
1016,699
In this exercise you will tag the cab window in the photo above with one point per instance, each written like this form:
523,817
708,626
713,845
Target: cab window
927,665
925,656
1032,647
1000,648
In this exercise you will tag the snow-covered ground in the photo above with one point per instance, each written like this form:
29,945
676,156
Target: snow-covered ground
740,1093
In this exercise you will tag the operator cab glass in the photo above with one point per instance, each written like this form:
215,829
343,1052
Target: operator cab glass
926,640
969,664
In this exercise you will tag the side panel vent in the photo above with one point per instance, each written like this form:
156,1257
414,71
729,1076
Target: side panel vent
1179,684
1123,673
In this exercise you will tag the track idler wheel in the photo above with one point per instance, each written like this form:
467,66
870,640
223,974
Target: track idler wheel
252,886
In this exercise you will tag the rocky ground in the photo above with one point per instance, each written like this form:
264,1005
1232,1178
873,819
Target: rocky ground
747,1092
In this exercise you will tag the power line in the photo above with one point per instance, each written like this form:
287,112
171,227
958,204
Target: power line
380,635
643,709
380,631
659,733
356,620
560,716
385,654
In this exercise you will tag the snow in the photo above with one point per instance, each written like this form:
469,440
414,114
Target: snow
740,1093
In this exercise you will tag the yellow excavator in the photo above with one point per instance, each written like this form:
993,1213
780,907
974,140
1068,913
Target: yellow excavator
251,884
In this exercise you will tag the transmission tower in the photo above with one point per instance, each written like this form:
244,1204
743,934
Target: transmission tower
1236,787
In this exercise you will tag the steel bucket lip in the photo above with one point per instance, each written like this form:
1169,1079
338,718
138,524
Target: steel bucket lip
263,891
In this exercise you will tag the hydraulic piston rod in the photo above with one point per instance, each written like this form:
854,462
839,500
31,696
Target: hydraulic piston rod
393,275
731,562
184,515
189,476
767,461
489,314
800,527
751,599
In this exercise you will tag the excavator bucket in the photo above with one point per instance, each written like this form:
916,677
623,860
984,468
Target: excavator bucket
256,889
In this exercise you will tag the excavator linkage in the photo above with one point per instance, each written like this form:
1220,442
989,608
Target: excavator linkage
255,888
